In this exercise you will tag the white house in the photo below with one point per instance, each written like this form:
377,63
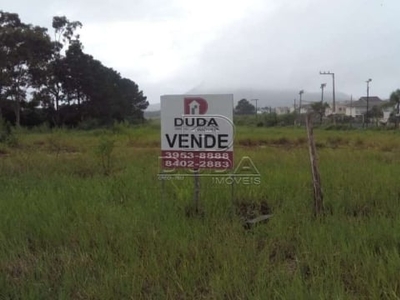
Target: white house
306,108
340,108
359,107
263,110
282,110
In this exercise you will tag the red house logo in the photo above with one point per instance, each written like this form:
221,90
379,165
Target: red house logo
195,106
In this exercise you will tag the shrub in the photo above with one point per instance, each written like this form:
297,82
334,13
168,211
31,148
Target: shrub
104,151
120,127
89,124
6,134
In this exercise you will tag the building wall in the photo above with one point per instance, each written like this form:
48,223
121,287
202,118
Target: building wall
355,111
340,109
282,110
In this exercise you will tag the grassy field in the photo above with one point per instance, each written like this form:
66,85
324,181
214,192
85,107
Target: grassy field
83,216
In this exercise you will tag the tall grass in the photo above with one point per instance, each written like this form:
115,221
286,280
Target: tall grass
69,231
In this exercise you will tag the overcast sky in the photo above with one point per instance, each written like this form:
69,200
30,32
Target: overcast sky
171,46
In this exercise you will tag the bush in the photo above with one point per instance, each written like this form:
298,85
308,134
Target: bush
43,128
6,134
270,120
89,124
104,153
120,127
339,127
5,131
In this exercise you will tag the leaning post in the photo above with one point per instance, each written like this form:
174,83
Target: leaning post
316,179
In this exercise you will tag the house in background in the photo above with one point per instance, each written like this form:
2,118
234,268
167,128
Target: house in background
306,108
340,108
263,110
282,110
359,107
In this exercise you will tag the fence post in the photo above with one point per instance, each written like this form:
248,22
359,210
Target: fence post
316,179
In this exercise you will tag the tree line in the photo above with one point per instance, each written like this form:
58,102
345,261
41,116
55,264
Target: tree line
46,79
271,118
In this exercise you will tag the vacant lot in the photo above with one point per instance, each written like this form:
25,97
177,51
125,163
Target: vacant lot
83,216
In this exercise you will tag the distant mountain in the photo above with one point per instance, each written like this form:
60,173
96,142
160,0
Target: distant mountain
153,107
266,97
155,114
272,98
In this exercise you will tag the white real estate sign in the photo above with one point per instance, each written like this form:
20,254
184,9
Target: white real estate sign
197,131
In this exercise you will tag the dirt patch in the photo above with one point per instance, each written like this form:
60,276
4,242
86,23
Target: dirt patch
282,142
248,143
3,153
39,143
18,269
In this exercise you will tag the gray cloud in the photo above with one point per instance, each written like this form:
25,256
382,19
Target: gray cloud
87,11
275,44
356,41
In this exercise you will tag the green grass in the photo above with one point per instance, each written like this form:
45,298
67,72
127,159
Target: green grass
69,231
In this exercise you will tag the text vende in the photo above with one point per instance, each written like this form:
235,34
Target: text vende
202,141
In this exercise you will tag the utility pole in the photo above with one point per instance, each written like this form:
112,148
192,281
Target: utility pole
351,110
333,89
256,100
300,93
351,105
368,81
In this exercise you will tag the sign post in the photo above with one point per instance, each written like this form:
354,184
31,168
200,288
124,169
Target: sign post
196,134
196,190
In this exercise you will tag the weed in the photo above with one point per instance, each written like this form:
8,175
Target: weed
68,232
54,142
104,151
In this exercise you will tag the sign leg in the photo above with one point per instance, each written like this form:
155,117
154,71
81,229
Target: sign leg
233,202
196,190
162,186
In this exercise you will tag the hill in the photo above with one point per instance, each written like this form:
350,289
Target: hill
273,98
266,97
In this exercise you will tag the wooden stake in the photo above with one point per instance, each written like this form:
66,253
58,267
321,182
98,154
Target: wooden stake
318,196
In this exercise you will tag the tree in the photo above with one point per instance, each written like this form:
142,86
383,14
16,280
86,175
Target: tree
65,30
100,92
244,107
26,50
320,108
375,113
67,85
133,102
50,81
8,22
